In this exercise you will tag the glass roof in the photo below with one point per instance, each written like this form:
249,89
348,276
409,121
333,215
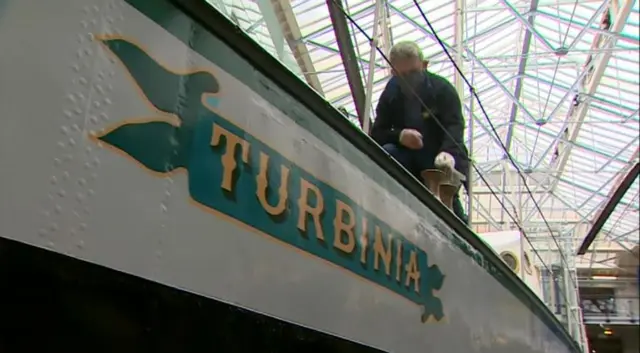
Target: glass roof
559,81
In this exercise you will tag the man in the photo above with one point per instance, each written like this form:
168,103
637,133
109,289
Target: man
414,135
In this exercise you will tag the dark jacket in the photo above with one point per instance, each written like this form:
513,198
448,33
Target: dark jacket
396,112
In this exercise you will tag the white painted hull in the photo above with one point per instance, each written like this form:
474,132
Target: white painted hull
61,88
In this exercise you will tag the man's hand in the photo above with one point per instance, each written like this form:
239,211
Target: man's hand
444,160
411,138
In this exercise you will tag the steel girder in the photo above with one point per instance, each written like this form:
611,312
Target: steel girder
291,31
593,82
598,70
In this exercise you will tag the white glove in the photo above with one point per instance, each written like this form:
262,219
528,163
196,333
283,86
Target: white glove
444,160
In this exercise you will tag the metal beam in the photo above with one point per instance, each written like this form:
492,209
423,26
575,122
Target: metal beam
348,55
598,72
387,33
620,236
471,127
540,223
589,24
580,113
377,19
576,209
418,26
522,66
620,179
327,27
471,55
528,25
499,84
274,26
604,214
458,43
526,44
293,36
552,3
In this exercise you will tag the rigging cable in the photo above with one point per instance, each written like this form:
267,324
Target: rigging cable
461,148
493,129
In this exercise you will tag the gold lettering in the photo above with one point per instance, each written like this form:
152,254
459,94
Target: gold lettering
229,163
262,182
305,208
364,241
380,252
398,259
412,272
341,228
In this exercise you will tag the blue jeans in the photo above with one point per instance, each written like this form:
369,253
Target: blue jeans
415,161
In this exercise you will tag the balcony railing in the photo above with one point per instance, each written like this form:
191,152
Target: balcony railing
613,310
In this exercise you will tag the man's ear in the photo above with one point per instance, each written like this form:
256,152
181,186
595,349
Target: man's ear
425,63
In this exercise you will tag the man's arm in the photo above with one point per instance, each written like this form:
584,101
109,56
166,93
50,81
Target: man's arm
383,131
452,121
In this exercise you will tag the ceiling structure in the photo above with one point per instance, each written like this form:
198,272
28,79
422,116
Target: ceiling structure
557,79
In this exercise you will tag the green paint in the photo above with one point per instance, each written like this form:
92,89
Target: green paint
169,93
162,147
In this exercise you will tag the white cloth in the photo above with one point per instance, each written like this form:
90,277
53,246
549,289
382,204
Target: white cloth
444,160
